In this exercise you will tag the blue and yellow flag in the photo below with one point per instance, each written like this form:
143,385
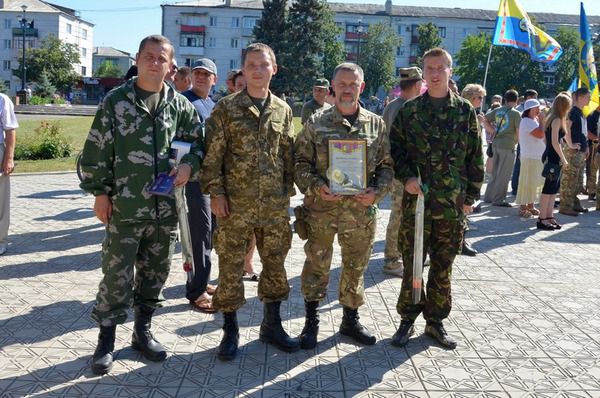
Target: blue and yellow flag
514,29
587,68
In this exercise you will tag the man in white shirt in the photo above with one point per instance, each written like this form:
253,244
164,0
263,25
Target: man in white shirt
8,125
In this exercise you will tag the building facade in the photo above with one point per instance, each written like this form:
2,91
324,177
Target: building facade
48,19
221,30
123,60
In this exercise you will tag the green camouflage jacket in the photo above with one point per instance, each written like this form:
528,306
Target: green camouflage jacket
249,153
443,146
312,107
126,148
311,149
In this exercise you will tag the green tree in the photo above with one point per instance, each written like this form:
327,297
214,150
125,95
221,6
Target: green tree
44,87
3,88
108,69
509,67
270,30
428,37
56,58
378,56
568,63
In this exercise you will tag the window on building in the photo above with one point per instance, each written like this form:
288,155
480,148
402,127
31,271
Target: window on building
7,23
549,80
189,61
83,71
414,50
213,21
84,34
399,51
7,84
249,22
212,42
191,20
234,43
7,43
69,28
191,40
442,31
399,29
234,64
83,52
235,22
6,64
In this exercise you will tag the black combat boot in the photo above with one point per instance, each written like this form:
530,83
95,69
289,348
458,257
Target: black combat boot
308,337
102,361
351,327
271,331
406,329
438,332
468,250
231,337
142,339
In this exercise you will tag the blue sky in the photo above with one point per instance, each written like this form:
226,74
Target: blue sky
122,24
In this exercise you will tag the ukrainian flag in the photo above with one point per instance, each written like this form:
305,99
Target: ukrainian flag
514,29
587,68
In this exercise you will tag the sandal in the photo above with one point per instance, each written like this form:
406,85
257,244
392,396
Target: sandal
203,304
525,213
546,227
251,276
211,289
554,223
534,211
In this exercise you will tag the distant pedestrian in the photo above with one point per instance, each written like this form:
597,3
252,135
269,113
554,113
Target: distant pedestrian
317,103
8,126
183,79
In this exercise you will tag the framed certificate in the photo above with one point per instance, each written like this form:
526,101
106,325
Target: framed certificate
347,171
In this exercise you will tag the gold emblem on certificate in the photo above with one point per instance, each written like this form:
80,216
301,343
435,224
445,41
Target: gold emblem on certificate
347,166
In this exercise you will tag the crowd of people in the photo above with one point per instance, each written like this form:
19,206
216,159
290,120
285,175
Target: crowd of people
245,163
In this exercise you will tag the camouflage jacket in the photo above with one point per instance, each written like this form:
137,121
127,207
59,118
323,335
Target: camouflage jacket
126,148
442,146
310,108
311,159
248,152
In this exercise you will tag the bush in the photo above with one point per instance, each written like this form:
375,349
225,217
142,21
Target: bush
48,143
37,100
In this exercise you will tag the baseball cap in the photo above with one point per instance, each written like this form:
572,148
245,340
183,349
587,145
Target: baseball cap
531,103
206,64
412,73
321,82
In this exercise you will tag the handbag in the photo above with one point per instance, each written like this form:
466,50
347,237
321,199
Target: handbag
489,151
551,171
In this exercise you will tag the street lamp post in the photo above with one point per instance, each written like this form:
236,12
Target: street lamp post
23,22
359,31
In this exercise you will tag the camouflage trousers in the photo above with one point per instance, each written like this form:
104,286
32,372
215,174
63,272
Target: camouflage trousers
145,247
570,180
355,228
592,169
392,248
442,240
231,242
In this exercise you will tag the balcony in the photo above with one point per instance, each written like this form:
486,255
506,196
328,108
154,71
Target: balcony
185,51
193,29
29,32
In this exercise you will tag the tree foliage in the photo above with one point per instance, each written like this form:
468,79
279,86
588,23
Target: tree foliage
378,56
44,87
56,58
509,67
3,88
304,39
568,63
108,69
428,38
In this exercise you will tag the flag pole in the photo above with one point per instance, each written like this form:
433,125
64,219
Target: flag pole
487,66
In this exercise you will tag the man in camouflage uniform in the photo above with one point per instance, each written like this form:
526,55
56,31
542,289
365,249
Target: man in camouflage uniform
248,172
351,217
127,146
411,80
317,103
435,137
572,176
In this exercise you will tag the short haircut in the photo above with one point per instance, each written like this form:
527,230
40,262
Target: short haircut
236,75
438,52
157,39
511,96
473,90
530,93
408,84
259,48
184,71
580,92
349,67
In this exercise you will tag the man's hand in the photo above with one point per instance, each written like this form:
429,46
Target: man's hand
327,195
103,208
467,209
219,206
8,166
366,198
183,173
412,186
